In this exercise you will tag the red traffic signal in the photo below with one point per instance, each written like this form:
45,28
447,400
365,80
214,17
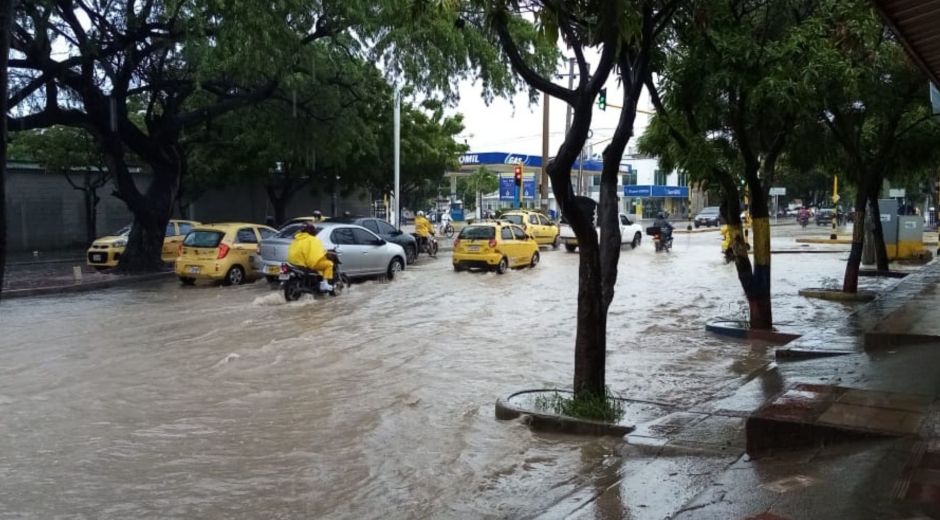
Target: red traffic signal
518,175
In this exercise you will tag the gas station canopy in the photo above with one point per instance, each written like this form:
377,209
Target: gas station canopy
474,159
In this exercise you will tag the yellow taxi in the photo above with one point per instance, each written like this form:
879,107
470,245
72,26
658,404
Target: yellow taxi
496,245
106,251
221,252
543,230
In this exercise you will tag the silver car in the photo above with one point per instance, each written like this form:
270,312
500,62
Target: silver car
362,252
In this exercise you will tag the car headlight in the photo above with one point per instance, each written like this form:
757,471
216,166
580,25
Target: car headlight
119,243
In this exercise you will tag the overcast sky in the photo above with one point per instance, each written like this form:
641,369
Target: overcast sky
517,127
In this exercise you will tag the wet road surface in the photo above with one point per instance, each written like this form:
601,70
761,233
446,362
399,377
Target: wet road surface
160,401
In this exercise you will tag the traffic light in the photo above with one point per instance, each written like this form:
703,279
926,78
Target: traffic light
602,99
518,175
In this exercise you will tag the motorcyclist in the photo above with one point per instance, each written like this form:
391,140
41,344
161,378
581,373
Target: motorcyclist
307,251
803,215
445,221
317,216
423,228
665,228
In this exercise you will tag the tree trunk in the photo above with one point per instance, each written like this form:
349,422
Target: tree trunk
151,215
591,337
758,291
868,249
6,28
90,213
850,281
878,238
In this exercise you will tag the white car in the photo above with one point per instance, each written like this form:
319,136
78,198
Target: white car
630,233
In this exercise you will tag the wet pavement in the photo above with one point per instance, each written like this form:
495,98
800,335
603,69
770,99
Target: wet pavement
159,401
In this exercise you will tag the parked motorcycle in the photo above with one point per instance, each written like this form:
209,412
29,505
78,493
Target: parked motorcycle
660,243
297,281
426,244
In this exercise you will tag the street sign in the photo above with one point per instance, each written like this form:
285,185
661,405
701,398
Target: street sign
777,191
897,193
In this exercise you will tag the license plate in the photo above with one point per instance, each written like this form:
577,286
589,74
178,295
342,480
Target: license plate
193,269
97,258
273,269
473,249
283,277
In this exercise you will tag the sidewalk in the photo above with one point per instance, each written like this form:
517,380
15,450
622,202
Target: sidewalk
57,275
853,435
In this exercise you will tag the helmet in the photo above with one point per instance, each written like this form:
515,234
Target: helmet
309,228
420,213
316,213
662,214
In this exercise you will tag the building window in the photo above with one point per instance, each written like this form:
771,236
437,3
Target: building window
659,177
683,179
629,178
595,180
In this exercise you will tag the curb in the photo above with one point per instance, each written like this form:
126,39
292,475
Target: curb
83,287
882,274
740,330
796,354
546,422
809,252
836,295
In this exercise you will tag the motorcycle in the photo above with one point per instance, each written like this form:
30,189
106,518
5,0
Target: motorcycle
659,242
426,244
803,220
447,230
297,281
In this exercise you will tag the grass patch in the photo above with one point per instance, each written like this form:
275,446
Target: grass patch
606,407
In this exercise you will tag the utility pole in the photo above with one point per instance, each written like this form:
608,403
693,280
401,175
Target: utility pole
835,200
397,154
543,187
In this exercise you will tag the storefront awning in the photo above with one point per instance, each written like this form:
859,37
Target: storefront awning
917,25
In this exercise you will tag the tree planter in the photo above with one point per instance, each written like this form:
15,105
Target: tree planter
742,330
838,295
522,404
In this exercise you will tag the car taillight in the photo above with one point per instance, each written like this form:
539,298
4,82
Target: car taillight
492,242
223,251
456,242
284,269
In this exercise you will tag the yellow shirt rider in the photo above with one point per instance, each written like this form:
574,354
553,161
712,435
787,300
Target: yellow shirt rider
307,251
423,226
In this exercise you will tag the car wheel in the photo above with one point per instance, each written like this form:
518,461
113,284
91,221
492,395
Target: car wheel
637,238
557,242
697,225
394,267
187,281
411,254
535,259
502,266
101,267
570,248
458,268
234,276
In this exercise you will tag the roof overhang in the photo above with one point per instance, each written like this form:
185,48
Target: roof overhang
917,25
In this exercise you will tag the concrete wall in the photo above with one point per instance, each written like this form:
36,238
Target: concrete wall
43,212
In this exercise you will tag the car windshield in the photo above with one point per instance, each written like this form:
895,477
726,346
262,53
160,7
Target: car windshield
290,230
708,211
203,238
477,233
515,219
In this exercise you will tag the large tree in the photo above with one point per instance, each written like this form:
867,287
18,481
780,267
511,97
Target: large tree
624,34
188,62
735,88
875,120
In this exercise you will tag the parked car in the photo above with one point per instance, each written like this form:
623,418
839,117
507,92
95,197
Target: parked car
496,246
387,232
707,217
543,230
221,252
824,216
105,252
362,252
630,233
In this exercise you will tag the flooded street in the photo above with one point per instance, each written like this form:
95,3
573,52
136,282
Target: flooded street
159,401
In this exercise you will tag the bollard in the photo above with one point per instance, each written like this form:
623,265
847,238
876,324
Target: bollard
77,273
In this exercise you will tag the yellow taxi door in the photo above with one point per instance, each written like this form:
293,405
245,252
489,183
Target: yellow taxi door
171,242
